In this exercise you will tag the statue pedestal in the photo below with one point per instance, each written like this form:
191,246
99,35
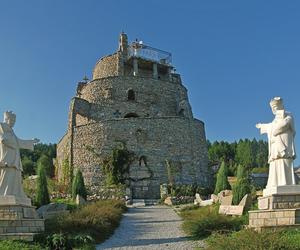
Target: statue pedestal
19,221
287,189
279,207
14,200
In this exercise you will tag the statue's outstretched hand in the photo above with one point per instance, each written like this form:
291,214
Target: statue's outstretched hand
258,125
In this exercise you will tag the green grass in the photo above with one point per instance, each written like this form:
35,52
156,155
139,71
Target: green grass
13,245
252,240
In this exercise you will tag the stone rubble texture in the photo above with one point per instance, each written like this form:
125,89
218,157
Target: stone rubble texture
156,124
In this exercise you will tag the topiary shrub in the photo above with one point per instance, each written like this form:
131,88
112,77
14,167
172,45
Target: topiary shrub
78,186
47,163
42,194
241,187
222,181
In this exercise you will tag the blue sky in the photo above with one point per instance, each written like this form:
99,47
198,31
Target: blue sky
233,56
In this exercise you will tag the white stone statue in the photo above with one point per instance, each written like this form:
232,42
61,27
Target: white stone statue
11,190
281,133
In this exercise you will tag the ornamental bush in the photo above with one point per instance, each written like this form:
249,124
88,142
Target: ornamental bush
78,186
222,181
242,185
42,194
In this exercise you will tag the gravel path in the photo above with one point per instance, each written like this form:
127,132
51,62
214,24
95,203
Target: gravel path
153,227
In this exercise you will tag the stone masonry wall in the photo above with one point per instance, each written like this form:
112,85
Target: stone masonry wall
179,140
152,97
106,66
157,125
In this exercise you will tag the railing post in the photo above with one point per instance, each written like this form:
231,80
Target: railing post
155,72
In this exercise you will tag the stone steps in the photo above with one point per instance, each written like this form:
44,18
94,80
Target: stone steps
144,202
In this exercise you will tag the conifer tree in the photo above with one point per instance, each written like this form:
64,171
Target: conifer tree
222,181
42,194
78,186
242,185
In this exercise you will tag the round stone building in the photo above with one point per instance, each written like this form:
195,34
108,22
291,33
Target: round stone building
135,97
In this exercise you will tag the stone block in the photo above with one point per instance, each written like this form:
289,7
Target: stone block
252,215
277,214
246,201
283,221
226,200
265,215
231,210
263,203
289,213
270,222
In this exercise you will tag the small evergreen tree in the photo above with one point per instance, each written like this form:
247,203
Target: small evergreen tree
78,186
46,161
241,172
42,194
242,185
222,181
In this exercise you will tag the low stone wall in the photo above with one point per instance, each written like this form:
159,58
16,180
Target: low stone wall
270,218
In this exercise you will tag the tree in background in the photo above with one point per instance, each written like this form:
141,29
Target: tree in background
251,154
28,166
78,186
222,181
242,185
39,149
42,194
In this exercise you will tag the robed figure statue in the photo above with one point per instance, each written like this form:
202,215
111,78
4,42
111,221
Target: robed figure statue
281,133
11,188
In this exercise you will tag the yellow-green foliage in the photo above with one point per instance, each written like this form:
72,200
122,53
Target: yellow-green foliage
98,219
13,245
202,222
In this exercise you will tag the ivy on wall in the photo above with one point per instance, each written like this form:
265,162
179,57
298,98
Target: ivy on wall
116,166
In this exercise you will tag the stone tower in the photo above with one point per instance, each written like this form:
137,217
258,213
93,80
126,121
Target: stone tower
136,97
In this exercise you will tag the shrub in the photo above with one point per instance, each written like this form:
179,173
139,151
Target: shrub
42,194
242,185
64,241
260,170
240,189
116,167
46,161
188,190
78,186
222,182
241,172
204,221
252,240
97,220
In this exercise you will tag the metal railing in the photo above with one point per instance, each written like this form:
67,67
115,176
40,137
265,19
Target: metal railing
137,49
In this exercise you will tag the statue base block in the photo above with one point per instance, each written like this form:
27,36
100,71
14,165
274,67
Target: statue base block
287,189
273,219
278,208
19,222
13,200
279,201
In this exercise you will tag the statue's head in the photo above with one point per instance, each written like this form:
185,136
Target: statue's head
276,104
10,118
